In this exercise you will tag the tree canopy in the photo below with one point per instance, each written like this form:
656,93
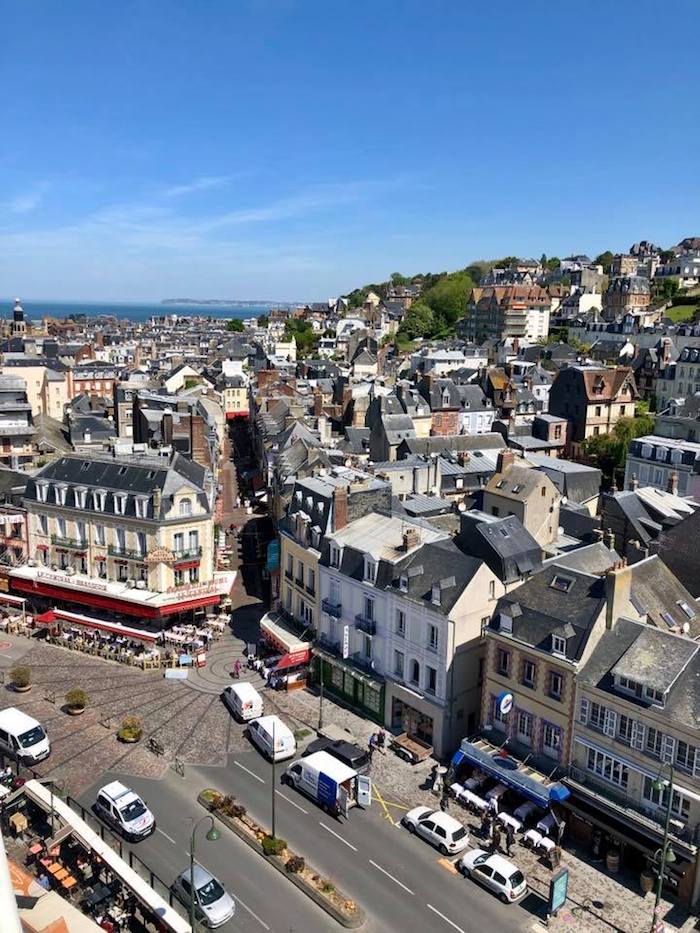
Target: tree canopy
235,325
303,333
609,451
605,260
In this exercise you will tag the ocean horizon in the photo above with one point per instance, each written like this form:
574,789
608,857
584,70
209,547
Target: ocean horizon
128,310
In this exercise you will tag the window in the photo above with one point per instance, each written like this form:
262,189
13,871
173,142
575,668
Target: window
370,570
558,645
42,490
194,574
290,565
596,716
194,542
101,569
494,510
120,502
596,431
624,729
556,683
529,673
498,716
81,532
80,497
551,739
430,680
415,672
607,767
368,647
432,637
369,609
311,581
60,493
503,662
122,574
141,505
99,497
178,542
61,527
630,685
524,728
300,573
400,623
656,696
179,577
99,534
398,663
141,543
686,756
598,411
185,508
654,742
680,805
563,584
335,556
43,524
492,589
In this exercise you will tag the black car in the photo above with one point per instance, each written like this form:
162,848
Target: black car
351,755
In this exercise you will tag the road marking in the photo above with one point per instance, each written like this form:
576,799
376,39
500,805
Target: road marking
293,803
334,833
385,872
387,815
169,838
450,866
251,912
446,919
251,773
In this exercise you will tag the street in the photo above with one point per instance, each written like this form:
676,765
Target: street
399,880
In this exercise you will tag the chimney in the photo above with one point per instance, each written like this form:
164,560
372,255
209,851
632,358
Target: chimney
618,581
411,538
506,459
463,457
609,538
318,402
634,482
340,508
156,495
672,486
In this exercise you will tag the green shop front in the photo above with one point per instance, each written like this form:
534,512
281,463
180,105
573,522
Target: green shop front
352,685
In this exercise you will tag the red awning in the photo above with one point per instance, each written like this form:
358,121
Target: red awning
62,615
12,600
187,565
293,659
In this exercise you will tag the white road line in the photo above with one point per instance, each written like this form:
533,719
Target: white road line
169,838
334,833
293,803
446,919
251,912
385,872
247,771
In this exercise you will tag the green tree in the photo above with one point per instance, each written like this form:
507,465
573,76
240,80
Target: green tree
667,288
419,320
263,320
448,298
666,255
398,279
235,325
605,260
304,334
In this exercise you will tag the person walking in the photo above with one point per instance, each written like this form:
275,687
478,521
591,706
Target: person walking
371,747
237,669
496,839
381,741
510,838
444,801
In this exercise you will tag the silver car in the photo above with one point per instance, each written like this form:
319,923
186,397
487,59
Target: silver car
213,905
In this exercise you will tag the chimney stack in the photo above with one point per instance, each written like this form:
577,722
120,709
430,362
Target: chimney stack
618,582
609,539
672,486
340,508
506,459
318,402
634,482
411,538
156,494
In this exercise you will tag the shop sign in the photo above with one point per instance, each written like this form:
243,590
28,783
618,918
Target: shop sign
64,578
346,641
505,702
558,889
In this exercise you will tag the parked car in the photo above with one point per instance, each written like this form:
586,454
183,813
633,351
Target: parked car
243,700
23,737
268,732
124,810
440,829
495,873
213,905
351,755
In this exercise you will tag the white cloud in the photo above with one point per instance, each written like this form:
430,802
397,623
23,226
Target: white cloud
28,201
204,183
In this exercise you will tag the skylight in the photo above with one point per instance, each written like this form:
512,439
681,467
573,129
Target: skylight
563,584
688,610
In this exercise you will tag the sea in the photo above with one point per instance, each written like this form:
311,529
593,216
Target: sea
35,310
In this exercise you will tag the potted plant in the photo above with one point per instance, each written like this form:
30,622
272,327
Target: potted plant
130,730
21,678
76,701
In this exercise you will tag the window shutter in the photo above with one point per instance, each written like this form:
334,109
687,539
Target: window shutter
610,722
638,731
668,748
583,711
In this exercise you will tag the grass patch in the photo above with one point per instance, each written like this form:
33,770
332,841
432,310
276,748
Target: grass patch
681,312
301,734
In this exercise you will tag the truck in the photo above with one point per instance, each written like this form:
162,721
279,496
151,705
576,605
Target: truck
334,786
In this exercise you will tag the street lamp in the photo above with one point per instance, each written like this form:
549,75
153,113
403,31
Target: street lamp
663,856
212,836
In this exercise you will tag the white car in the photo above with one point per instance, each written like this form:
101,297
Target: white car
124,810
495,873
213,905
440,829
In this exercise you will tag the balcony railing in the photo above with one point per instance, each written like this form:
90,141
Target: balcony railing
74,544
187,553
332,607
365,624
126,553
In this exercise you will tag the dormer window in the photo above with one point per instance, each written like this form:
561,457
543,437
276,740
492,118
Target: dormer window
403,583
558,645
120,502
435,594
80,497
60,494
141,505
42,490
370,574
185,508
654,696
561,583
335,556
99,497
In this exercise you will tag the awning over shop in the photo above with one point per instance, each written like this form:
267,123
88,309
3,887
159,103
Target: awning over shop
293,659
276,633
61,615
511,772
376,682
18,601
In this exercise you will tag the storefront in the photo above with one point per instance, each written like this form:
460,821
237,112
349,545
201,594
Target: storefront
358,689
292,654
408,719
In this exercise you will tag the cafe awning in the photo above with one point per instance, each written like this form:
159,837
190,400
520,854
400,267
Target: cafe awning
293,659
276,633
18,601
62,615
526,781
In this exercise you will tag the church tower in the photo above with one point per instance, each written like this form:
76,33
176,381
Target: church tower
19,325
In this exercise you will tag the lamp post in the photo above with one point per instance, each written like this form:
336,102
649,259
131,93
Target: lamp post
211,836
664,855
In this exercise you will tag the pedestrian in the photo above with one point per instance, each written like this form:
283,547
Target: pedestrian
486,824
381,739
372,746
444,801
493,805
496,839
510,838
237,669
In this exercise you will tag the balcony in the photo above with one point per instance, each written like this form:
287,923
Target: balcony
332,607
188,553
311,590
365,624
72,544
125,553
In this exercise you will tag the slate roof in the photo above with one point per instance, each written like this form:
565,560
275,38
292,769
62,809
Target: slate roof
447,444
657,593
594,559
655,659
398,428
504,543
576,481
440,564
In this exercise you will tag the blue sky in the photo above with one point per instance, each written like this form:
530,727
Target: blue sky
294,149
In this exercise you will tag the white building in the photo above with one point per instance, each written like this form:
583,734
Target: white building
665,463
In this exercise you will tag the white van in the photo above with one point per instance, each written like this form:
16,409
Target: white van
125,811
334,785
23,737
261,732
243,700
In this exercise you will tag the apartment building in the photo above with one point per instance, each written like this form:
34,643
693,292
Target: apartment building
502,311
16,423
637,722
96,379
528,494
132,537
665,463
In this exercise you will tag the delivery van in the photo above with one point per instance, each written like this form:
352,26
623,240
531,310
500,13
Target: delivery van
23,737
243,700
333,785
273,738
